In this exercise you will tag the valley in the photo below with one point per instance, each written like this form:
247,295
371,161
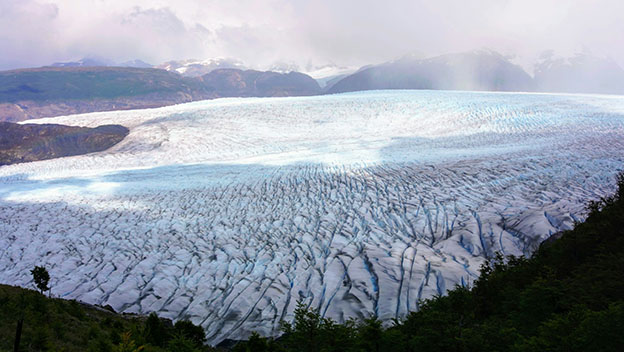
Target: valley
229,211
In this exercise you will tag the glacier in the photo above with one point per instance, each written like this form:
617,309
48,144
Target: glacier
227,212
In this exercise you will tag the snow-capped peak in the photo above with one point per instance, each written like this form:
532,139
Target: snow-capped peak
195,67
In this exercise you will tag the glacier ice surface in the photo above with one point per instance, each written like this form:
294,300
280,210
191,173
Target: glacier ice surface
227,212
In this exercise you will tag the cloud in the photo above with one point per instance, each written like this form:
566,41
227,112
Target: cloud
348,32
152,34
27,28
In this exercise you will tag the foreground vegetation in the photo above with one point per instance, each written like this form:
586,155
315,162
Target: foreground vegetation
568,297
66,325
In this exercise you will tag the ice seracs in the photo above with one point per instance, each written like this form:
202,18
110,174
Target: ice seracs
228,211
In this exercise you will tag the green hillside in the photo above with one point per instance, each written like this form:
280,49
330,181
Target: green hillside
54,91
52,83
51,324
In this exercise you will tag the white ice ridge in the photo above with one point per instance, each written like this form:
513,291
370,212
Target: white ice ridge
227,212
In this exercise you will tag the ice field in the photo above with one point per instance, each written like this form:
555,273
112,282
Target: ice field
228,211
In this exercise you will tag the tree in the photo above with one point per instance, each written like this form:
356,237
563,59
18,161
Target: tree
312,332
127,344
154,331
370,334
180,343
257,343
190,331
41,278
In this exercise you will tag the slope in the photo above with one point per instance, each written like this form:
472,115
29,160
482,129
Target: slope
31,142
54,91
52,324
477,70
582,73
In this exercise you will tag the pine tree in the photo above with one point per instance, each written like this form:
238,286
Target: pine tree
41,278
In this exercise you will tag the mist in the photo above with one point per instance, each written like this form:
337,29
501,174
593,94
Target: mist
305,33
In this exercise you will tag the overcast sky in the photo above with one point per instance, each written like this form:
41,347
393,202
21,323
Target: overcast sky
345,32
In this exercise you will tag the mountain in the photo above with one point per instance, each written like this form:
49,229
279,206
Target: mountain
248,83
54,91
327,75
79,87
135,63
32,142
84,62
284,67
91,62
327,83
582,73
477,70
197,68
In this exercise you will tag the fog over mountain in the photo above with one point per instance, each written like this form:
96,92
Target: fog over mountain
307,34
477,70
88,85
581,73
196,68
99,62
485,70
548,45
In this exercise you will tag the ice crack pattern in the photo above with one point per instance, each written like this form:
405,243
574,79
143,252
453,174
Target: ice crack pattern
227,212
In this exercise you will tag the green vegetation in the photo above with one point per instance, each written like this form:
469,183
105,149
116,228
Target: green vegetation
54,91
64,325
61,84
41,277
568,297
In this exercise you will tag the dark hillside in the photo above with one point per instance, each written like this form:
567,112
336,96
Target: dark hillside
52,324
249,83
32,142
479,70
53,91
53,83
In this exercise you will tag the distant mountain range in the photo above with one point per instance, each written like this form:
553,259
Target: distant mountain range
475,70
93,85
54,91
479,70
196,68
94,62
487,70
579,74
250,83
